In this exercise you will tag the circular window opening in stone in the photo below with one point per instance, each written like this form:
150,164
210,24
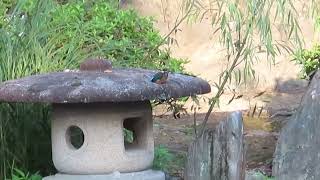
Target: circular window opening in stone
75,136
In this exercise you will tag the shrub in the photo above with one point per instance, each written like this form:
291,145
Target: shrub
310,61
171,163
122,36
162,158
38,36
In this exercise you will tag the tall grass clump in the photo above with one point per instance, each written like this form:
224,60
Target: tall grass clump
38,36
17,174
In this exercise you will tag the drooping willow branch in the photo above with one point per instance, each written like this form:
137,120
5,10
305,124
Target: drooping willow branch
223,84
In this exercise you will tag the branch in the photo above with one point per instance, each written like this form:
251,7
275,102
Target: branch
221,87
195,122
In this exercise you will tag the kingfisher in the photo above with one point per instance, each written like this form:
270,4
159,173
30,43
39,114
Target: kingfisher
160,77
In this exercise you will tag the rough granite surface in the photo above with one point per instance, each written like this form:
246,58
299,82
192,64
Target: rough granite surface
104,150
297,155
142,175
85,87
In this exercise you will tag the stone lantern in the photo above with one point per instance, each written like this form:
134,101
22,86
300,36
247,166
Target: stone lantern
99,105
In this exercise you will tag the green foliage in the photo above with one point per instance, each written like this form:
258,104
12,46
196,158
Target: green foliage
20,175
128,135
38,36
122,36
176,166
3,11
166,161
259,175
25,138
162,158
309,59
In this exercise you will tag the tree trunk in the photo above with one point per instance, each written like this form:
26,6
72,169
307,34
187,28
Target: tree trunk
219,153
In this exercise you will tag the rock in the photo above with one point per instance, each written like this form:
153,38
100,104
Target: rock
291,86
142,175
97,65
219,153
297,153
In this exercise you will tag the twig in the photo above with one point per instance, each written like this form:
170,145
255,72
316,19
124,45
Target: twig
254,110
221,87
261,109
195,122
283,113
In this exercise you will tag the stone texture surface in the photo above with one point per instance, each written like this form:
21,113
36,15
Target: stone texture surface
96,64
218,154
143,175
297,153
103,150
116,86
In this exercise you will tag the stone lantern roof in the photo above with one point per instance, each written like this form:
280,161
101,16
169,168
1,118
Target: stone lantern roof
120,85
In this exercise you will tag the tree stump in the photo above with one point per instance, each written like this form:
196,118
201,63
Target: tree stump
219,153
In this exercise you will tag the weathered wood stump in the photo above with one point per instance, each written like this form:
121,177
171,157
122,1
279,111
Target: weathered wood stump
219,153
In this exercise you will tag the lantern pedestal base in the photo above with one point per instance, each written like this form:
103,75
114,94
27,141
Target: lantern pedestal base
142,175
